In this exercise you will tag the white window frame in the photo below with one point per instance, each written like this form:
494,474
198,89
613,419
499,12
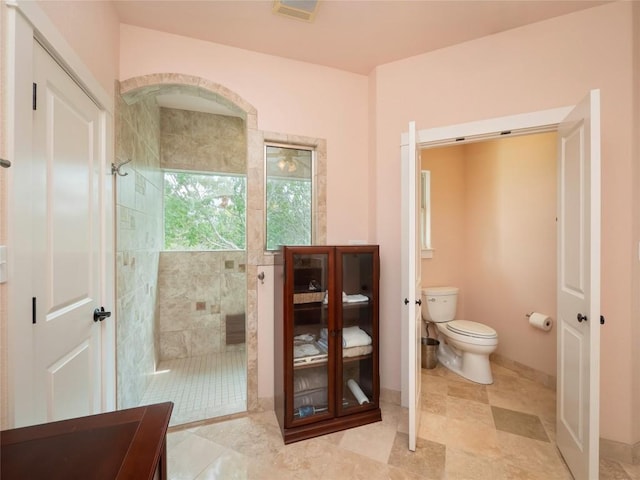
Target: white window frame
314,157
425,214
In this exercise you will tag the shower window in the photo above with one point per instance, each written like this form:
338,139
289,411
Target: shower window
204,211
289,195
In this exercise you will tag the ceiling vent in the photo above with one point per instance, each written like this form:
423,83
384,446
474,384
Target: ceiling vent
298,9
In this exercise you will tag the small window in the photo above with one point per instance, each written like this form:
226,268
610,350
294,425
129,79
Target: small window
288,195
425,214
204,211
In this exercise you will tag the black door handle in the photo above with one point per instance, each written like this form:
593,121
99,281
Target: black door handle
581,318
419,302
99,314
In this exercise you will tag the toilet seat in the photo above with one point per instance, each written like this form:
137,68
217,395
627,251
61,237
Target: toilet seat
471,329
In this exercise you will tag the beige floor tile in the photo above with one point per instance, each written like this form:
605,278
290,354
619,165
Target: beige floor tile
232,465
373,441
427,461
434,383
433,427
461,465
611,470
523,424
187,459
468,391
469,411
248,436
632,470
434,403
472,437
516,472
392,415
532,456
403,422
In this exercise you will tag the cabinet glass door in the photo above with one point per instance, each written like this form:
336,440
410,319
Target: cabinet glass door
358,322
312,385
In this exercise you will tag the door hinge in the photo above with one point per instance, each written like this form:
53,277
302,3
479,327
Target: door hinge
33,310
35,98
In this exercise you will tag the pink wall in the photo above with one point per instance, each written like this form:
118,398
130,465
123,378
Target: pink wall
510,243
290,97
446,267
545,65
92,29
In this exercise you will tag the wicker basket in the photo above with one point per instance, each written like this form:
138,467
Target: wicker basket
309,297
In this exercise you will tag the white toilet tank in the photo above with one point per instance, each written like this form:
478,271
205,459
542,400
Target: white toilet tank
439,304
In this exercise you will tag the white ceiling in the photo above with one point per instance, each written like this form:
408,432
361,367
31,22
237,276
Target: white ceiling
351,35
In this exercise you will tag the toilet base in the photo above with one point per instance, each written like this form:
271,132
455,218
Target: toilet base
472,366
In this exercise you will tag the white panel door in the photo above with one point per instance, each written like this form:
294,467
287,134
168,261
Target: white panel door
579,288
411,282
67,258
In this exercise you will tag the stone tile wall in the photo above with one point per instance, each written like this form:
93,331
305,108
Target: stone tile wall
202,142
138,242
196,291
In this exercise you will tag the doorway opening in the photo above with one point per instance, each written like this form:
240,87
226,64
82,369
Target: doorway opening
493,235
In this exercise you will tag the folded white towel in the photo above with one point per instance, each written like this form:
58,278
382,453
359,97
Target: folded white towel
355,298
357,351
355,337
351,337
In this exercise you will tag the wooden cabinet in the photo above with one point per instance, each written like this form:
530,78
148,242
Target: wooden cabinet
126,444
326,339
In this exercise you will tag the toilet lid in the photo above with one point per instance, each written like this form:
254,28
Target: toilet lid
471,329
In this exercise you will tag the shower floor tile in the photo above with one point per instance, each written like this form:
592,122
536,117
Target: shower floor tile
200,387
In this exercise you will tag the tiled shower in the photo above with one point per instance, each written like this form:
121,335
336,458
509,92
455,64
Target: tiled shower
181,315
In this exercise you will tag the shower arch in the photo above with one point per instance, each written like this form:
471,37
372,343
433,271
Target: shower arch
136,88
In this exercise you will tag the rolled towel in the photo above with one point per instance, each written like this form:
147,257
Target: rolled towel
357,392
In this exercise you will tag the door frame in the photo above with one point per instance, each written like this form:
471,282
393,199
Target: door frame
25,23
487,129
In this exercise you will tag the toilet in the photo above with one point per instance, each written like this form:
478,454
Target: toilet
465,346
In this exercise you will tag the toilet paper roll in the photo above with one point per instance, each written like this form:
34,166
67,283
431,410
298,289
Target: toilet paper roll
357,392
541,321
